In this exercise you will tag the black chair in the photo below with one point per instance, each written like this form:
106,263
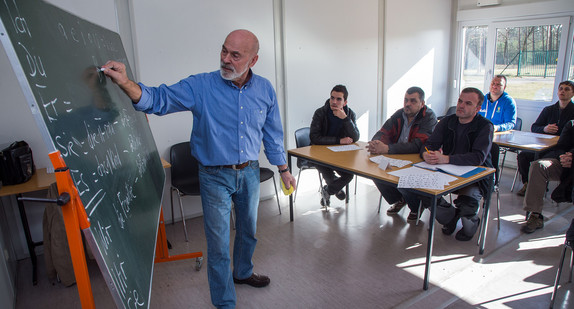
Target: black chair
504,150
451,110
302,139
495,156
266,174
184,176
568,244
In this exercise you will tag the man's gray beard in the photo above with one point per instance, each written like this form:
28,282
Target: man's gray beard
232,76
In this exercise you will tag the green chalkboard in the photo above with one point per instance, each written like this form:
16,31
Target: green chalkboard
107,146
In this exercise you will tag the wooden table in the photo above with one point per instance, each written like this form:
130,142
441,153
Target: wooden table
41,180
358,163
525,141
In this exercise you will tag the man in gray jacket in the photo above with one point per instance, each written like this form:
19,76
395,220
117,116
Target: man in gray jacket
404,132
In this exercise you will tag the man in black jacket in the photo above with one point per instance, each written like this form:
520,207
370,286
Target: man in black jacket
334,124
556,165
550,121
464,138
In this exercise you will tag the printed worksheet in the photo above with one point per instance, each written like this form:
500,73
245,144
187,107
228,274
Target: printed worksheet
344,148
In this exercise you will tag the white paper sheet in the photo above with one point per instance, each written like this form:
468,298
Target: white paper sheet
393,162
423,181
414,177
344,148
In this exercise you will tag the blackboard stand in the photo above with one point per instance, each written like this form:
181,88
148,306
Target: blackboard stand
75,218
162,253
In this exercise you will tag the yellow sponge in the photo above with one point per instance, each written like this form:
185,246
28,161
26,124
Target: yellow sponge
285,190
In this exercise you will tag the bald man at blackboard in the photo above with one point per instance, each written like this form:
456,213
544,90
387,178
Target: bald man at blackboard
234,110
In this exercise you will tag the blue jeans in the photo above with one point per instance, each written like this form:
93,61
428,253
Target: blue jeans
219,188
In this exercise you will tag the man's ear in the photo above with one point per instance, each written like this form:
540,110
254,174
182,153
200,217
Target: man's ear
253,61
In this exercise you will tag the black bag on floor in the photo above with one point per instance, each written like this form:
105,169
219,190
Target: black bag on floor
16,163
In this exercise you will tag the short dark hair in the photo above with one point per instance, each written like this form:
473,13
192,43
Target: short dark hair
474,90
567,83
502,77
343,89
417,90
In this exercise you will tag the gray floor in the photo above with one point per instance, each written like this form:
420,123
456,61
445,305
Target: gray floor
352,257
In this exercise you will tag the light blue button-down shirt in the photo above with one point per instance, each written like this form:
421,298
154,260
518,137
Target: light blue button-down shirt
229,123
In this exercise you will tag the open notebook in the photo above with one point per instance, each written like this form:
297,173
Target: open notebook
457,170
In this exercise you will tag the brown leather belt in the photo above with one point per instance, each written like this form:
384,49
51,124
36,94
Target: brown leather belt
237,166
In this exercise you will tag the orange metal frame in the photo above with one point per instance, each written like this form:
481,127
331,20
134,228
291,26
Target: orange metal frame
161,252
76,219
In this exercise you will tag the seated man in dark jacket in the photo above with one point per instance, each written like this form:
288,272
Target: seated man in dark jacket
550,121
334,124
464,138
405,132
556,165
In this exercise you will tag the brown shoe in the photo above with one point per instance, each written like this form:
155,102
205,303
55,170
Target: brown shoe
522,191
413,216
255,280
396,207
535,221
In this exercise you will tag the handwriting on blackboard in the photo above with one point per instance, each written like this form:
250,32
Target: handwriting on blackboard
107,146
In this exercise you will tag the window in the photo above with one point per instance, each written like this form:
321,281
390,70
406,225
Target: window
474,56
571,70
528,56
530,53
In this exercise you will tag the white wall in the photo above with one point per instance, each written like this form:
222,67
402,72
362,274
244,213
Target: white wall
416,52
322,48
325,43
329,43
172,44
512,8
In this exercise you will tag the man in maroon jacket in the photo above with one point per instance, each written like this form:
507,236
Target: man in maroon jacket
405,132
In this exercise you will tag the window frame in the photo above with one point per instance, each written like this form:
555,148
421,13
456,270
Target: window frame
564,51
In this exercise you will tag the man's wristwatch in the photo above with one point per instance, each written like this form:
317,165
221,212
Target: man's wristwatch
284,171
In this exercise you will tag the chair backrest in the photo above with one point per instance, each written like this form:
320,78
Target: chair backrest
184,169
302,138
451,110
518,125
265,174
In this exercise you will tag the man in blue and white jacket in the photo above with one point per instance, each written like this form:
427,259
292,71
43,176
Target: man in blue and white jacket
498,106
